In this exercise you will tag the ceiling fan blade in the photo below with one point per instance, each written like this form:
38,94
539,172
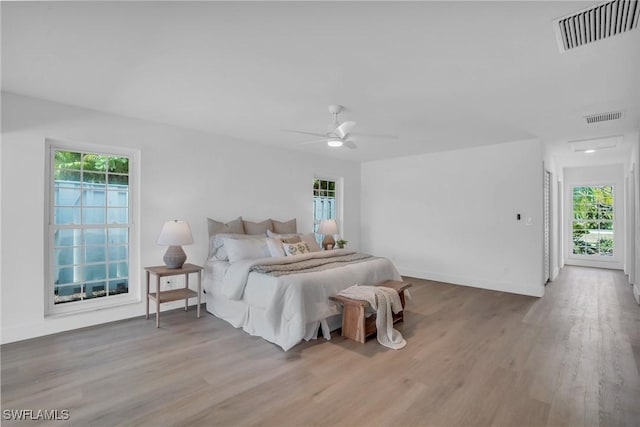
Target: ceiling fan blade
343,130
304,133
350,144
376,135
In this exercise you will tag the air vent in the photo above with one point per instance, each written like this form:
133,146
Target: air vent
596,23
603,117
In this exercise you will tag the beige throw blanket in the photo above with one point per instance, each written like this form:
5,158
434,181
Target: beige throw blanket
384,301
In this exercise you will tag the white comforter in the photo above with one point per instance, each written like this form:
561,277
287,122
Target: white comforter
300,300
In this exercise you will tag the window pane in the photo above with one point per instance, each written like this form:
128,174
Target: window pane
118,181
66,196
118,236
95,290
95,236
94,254
118,253
67,293
95,272
93,216
66,177
118,164
93,197
94,162
66,160
119,269
117,215
65,256
65,275
118,198
593,220
67,237
119,286
66,216
94,178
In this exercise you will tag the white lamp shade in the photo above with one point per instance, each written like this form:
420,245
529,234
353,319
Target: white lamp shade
175,233
328,226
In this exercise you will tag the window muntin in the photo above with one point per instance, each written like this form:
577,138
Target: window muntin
592,220
89,227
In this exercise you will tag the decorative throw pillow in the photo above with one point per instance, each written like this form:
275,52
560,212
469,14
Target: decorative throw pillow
246,249
216,227
287,238
310,240
275,247
295,248
257,227
287,227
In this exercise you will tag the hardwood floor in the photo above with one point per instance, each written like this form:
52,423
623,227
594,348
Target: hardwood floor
474,358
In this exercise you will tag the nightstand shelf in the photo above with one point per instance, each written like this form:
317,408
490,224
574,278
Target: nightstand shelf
160,296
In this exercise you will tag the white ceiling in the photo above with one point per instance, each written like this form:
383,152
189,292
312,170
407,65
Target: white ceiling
439,75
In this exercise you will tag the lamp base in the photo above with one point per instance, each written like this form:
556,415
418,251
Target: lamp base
174,257
328,242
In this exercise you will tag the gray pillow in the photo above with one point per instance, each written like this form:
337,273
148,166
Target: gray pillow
257,227
287,227
231,227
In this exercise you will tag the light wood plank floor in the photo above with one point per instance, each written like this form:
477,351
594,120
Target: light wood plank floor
474,358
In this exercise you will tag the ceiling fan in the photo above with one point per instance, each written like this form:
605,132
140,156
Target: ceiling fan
337,134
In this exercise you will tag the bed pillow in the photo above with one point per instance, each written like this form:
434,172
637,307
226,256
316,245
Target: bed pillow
310,240
257,227
216,244
275,247
287,238
295,248
287,227
239,249
233,227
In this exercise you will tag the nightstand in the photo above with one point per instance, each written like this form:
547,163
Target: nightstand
160,296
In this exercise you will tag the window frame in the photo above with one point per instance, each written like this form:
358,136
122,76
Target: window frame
614,224
339,181
134,293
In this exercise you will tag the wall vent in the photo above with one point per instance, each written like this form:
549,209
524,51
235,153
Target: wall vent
596,23
603,117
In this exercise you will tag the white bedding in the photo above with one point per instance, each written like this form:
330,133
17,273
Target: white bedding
286,309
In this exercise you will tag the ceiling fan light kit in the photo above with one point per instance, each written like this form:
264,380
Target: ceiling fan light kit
335,142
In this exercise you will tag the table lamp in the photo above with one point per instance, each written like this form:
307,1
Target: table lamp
328,227
175,234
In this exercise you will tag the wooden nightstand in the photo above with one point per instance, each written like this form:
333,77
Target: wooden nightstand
160,296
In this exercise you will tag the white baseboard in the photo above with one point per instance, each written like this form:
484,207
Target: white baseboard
636,293
474,282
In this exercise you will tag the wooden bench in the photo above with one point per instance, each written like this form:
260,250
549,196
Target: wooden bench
354,323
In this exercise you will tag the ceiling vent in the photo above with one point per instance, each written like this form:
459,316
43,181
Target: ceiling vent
603,117
596,23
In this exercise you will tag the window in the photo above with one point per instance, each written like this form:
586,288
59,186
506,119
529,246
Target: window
90,229
593,220
325,193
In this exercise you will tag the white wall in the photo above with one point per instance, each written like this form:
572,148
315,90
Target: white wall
635,163
451,216
596,175
184,174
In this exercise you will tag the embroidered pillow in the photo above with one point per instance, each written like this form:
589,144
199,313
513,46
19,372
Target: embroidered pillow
296,248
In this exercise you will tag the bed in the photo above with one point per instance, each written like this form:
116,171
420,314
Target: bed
283,298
